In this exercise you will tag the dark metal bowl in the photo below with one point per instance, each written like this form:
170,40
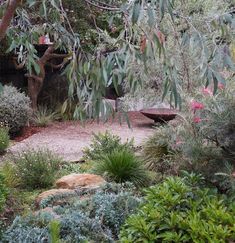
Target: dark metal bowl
159,114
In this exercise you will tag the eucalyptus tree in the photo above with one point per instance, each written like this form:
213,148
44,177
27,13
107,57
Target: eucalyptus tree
149,30
199,31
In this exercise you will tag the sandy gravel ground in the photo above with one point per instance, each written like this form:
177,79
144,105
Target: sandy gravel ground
67,139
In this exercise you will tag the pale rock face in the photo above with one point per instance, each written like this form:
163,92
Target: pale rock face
82,181
52,192
69,185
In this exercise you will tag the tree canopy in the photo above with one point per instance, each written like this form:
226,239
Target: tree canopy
190,41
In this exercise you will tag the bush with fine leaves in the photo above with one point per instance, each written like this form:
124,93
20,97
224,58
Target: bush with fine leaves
37,169
4,139
104,144
121,166
95,219
180,211
14,109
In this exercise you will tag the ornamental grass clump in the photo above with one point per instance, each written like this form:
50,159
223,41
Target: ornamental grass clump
44,116
37,169
4,139
121,166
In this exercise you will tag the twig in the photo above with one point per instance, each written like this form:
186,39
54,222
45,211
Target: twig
103,6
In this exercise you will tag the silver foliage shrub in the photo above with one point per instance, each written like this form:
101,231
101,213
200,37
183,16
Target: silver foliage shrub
98,218
14,108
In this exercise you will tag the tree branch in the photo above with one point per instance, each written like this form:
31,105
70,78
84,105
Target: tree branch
55,55
102,5
17,65
57,66
34,77
7,17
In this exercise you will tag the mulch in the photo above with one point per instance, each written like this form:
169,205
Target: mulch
27,132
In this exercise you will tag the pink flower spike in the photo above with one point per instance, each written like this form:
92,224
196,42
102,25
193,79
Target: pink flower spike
197,119
221,86
178,142
197,105
207,91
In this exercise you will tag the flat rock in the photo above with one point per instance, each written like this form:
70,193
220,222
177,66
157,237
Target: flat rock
74,181
52,192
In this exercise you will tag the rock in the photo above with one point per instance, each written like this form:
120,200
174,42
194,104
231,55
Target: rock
82,181
53,192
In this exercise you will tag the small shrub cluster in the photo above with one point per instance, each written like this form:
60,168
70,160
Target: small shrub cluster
4,139
121,166
37,169
14,109
104,144
29,170
96,219
180,211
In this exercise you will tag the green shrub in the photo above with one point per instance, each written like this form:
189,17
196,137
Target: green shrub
95,219
121,166
11,179
3,195
4,139
37,169
105,143
177,211
14,109
44,116
3,192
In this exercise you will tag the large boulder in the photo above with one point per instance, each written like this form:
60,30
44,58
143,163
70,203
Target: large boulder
80,181
59,193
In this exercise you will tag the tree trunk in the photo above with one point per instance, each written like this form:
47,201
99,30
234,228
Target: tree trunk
7,17
35,81
34,88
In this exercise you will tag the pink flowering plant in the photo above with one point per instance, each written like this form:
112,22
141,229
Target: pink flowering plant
210,136
203,140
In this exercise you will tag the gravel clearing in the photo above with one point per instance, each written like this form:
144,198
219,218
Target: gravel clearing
68,139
